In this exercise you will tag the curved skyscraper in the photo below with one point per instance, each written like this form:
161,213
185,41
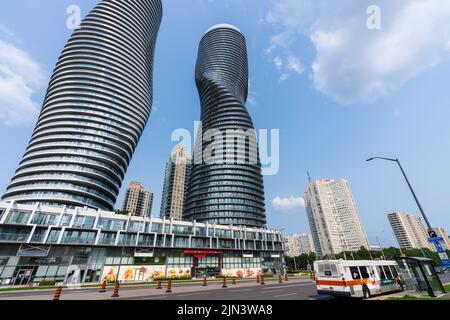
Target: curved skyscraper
98,102
224,191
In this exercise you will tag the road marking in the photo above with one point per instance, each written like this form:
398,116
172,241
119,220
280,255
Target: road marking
285,295
242,290
298,285
192,294
272,291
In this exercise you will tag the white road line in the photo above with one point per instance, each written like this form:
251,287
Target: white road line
192,294
272,291
285,295
242,290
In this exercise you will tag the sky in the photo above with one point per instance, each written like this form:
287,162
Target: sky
342,81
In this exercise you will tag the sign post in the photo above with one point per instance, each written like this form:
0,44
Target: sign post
437,242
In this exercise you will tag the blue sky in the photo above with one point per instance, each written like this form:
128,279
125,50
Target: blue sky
339,93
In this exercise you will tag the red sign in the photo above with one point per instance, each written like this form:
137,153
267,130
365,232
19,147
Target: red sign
200,254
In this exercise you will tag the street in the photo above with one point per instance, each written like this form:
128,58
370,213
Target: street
294,289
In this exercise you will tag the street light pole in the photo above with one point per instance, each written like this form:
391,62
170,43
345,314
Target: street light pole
410,188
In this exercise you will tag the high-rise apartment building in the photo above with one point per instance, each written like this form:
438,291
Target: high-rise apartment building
178,169
96,107
333,217
409,230
138,200
299,244
229,189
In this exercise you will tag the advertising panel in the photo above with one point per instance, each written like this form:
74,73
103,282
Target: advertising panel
242,273
143,273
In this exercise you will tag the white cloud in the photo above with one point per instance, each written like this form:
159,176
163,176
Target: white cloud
295,65
20,76
278,62
353,64
288,204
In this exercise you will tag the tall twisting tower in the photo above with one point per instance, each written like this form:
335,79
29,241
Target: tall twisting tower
225,192
97,104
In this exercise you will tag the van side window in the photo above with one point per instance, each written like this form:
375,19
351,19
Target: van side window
394,271
388,273
364,272
355,273
381,272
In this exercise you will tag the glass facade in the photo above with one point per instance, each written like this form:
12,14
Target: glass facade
228,190
97,104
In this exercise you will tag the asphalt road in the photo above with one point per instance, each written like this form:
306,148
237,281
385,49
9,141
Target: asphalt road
295,289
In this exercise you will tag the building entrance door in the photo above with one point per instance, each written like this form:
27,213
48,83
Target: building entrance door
23,275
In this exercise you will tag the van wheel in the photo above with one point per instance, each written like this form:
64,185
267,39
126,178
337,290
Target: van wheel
366,293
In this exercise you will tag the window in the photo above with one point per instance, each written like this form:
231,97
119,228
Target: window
394,271
381,272
156,227
18,217
14,233
43,219
364,272
183,230
355,273
388,273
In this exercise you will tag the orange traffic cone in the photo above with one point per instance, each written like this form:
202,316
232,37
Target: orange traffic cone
116,291
205,282
103,289
224,285
262,280
286,277
258,279
234,281
169,287
57,295
280,279
159,287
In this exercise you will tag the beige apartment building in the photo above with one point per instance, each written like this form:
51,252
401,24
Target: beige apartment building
409,230
299,244
333,217
178,169
138,200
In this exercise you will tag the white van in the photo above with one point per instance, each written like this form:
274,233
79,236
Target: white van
358,279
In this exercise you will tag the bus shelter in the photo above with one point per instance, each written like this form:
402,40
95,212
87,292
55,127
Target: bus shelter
419,274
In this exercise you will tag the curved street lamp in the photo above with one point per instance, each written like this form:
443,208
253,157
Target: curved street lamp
430,229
